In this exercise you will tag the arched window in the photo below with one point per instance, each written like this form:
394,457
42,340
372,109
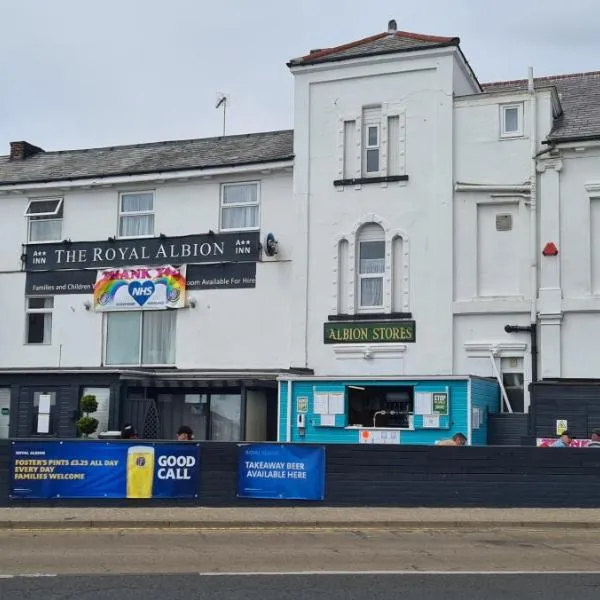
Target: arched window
371,267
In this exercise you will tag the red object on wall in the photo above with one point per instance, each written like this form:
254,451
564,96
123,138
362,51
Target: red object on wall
550,249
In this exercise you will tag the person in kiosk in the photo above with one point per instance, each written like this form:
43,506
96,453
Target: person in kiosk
185,434
128,432
458,439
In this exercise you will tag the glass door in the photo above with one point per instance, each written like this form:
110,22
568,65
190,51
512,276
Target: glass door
225,417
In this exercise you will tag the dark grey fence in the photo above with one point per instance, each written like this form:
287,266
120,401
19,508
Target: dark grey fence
575,401
404,476
509,429
4,471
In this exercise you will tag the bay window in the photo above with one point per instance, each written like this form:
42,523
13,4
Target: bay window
140,338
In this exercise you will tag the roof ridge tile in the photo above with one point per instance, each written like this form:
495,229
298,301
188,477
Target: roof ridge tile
320,55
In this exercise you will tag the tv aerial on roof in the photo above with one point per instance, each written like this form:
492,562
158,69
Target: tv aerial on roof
222,102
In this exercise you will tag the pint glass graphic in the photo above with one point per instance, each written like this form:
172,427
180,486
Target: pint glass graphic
140,471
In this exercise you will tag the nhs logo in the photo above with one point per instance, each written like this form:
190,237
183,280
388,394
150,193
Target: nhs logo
141,292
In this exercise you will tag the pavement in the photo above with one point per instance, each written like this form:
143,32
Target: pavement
306,587
202,518
254,552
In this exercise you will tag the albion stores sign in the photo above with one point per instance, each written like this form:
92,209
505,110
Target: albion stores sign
191,249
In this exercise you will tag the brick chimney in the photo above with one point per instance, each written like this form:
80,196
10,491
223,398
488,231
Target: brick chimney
23,150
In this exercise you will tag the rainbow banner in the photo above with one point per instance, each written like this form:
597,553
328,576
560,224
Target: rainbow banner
140,288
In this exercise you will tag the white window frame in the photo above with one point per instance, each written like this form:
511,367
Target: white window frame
139,363
360,276
36,311
370,147
511,134
136,213
222,205
54,215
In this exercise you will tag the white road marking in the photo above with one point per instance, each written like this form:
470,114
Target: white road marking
314,573
311,573
13,576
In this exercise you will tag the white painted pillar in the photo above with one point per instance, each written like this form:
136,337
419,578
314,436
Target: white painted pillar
550,292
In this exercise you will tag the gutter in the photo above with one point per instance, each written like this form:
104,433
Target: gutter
574,138
176,376
143,176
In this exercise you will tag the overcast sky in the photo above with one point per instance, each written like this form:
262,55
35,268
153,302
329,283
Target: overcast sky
77,73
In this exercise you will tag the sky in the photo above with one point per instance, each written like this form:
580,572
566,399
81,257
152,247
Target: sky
83,74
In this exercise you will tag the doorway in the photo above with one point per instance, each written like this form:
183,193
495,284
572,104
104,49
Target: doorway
4,413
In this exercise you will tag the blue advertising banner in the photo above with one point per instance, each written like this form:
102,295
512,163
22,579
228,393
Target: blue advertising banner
281,472
85,469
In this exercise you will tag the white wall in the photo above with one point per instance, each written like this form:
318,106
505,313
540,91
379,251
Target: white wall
231,329
493,267
420,209
76,333
228,329
490,264
570,282
13,232
579,348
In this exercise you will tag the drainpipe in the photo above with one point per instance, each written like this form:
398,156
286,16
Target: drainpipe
533,229
533,245
288,425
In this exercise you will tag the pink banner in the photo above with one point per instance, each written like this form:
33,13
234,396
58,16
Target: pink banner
547,442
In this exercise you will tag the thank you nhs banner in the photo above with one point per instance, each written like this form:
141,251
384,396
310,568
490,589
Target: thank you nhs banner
139,288
80,469
281,472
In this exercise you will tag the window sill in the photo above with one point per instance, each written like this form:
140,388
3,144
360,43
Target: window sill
32,242
138,366
369,316
368,351
237,229
146,236
366,180
512,136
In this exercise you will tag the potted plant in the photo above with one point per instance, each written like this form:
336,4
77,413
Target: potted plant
86,424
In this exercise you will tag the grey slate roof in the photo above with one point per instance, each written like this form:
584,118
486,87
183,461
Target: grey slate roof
382,43
579,95
228,151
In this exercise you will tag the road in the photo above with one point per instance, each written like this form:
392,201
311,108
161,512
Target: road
155,564
305,587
